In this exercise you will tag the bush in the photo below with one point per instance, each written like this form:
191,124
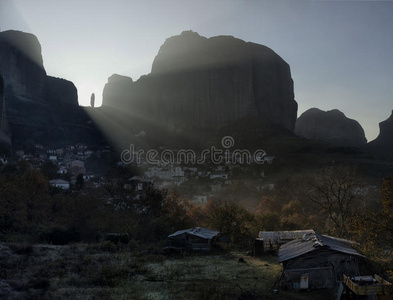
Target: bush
60,236
22,249
116,238
108,246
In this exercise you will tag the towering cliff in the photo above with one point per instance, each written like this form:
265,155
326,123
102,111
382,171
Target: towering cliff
21,64
37,107
384,141
201,83
330,126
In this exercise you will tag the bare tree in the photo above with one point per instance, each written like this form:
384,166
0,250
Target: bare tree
335,192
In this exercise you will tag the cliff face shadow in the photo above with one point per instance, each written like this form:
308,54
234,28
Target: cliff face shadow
5,141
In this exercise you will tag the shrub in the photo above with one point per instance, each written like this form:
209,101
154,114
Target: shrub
60,236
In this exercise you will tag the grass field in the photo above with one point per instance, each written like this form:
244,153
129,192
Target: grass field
103,271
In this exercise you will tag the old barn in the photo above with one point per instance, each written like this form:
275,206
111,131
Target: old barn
317,261
195,239
269,242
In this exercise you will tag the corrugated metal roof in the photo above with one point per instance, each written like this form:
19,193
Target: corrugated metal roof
197,231
275,236
312,242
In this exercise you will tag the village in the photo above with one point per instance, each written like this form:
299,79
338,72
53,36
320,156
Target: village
309,260
197,182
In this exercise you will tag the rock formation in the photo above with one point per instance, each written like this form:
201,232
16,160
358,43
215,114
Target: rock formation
201,83
384,141
60,91
38,107
331,127
21,64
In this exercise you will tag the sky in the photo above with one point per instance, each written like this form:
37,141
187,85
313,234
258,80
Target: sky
340,52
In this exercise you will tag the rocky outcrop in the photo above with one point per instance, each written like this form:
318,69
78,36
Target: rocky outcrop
384,141
117,87
60,91
331,127
201,83
38,107
21,65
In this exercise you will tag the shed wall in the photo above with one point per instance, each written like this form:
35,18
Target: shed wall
324,266
191,242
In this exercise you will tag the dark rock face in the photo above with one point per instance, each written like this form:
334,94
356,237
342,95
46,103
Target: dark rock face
58,90
117,88
39,108
200,83
384,141
330,126
21,64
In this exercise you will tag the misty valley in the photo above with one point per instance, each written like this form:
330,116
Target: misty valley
197,181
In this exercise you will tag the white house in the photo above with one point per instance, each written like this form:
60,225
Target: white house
62,170
60,183
52,157
76,167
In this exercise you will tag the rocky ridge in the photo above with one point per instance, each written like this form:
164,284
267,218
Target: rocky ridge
384,141
331,127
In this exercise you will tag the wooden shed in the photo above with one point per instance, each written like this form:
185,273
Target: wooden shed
269,242
193,239
317,261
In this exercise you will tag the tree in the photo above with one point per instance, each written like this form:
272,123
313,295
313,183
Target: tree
49,170
335,191
34,187
177,210
374,228
232,220
10,203
150,221
386,217
24,201
80,182
151,201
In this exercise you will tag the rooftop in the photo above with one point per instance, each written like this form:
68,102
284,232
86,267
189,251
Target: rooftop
197,231
312,242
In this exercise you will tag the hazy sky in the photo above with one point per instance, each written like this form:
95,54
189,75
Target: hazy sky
340,52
